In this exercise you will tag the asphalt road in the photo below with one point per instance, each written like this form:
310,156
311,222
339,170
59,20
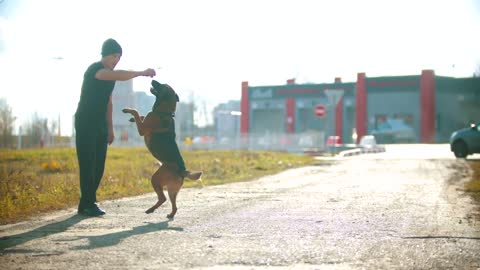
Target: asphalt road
376,211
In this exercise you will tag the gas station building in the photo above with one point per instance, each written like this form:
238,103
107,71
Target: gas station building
432,106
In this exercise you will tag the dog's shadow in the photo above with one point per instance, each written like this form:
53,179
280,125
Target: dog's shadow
111,239
43,231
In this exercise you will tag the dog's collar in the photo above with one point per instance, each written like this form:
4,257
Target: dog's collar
172,114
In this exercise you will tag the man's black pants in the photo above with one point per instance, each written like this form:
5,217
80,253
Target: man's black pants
91,144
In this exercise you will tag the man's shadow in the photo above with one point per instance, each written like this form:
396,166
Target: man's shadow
43,231
110,239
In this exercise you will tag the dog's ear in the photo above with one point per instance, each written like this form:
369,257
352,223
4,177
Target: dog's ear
171,92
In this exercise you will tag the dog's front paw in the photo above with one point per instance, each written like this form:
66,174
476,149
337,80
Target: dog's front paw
128,110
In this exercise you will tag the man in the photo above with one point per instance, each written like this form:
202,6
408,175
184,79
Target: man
93,122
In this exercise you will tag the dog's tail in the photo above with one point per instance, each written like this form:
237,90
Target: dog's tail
198,180
194,176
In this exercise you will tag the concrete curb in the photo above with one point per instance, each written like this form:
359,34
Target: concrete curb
359,151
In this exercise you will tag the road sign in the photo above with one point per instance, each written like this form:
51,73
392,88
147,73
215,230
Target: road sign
320,111
334,95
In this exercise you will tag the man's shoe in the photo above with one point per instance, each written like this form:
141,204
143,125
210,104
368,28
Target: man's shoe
91,212
100,209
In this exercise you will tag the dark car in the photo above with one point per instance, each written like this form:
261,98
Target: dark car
466,141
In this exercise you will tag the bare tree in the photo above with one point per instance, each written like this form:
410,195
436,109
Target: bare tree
33,130
476,74
6,124
39,131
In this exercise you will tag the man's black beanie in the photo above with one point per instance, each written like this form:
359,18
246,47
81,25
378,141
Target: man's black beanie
111,46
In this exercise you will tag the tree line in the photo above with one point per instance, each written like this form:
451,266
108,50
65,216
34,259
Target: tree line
36,132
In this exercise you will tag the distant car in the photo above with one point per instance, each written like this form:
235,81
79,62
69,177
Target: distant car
306,141
466,141
368,141
394,131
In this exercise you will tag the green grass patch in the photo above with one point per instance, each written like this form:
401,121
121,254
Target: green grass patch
41,180
473,185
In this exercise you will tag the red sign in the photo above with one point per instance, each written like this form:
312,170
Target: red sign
320,111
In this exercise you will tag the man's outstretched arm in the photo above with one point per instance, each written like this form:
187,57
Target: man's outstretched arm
105,74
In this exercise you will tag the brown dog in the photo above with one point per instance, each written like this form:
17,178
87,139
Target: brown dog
158,130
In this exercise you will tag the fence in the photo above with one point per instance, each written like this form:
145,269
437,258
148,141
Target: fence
26,141
311,141
301,142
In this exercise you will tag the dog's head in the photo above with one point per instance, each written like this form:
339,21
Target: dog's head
166,98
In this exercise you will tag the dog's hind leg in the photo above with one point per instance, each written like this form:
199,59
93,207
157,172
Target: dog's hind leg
157,183
173,188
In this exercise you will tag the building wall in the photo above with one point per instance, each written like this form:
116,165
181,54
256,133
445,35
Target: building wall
267,116
122,97
144,102
184,124
394,98
305,119
269,108
227,121
458,104
432,106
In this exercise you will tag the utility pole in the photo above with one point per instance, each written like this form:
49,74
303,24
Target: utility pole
19,143
59,126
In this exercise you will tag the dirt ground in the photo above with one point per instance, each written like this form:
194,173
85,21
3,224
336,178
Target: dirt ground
355,213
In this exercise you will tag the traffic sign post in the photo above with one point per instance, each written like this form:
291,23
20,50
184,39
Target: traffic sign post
320,111
334,96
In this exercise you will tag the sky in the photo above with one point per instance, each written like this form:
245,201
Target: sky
205,49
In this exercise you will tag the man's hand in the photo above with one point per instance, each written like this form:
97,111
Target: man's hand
149,72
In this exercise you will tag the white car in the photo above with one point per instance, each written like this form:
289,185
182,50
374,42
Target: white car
368,141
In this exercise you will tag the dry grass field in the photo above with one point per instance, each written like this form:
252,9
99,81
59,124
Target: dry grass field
41,180
473,186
